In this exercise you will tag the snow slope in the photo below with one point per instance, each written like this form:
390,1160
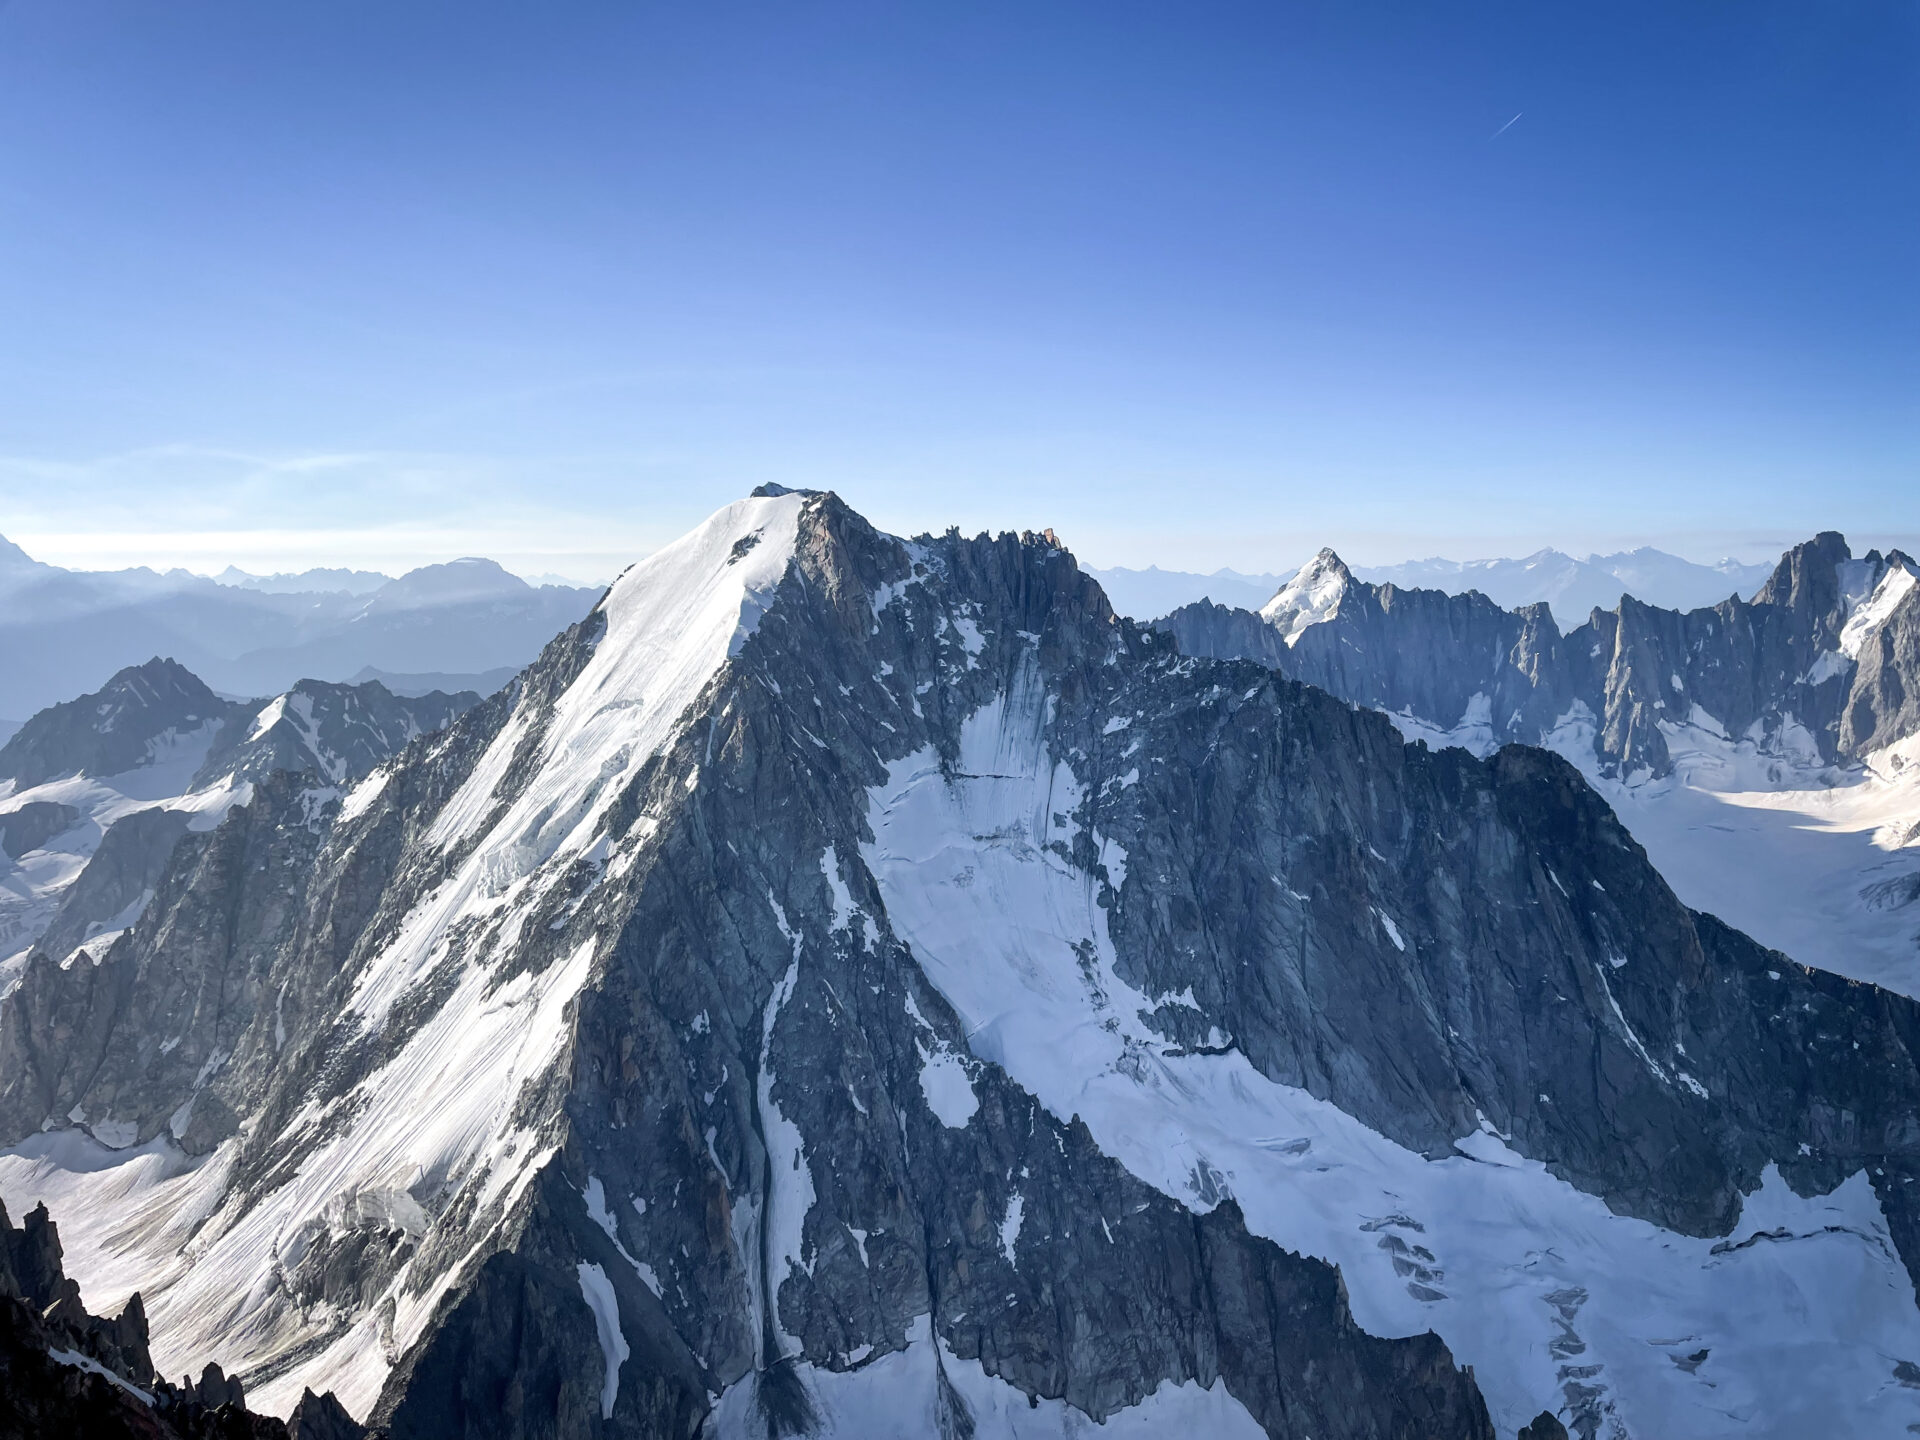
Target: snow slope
1311,596
1820,863
1538,1286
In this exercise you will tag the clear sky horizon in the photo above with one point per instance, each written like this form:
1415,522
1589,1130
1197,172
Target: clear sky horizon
1199,286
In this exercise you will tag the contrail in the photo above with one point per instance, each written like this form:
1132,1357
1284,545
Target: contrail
1506,127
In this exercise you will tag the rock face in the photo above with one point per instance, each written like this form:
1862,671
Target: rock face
343,733
111,781
29,827
1822,662
855,986
112,730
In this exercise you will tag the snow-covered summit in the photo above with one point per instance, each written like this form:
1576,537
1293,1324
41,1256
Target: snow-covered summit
1312,596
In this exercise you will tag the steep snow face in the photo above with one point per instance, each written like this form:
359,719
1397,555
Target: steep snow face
1550,1297
1311,596
437,1128
902,1394
1872,612
671,622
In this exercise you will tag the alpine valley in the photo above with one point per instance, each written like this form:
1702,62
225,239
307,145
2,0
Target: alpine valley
853,986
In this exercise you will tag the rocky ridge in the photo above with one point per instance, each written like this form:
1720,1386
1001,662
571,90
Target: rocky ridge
1820,665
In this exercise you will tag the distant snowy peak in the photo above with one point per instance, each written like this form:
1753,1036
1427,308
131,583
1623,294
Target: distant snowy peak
1311,597
113,730
95,793
340,732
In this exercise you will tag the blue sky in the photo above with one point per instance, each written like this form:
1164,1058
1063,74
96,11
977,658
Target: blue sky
1196,284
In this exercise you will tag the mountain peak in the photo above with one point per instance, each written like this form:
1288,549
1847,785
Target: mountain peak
453,581
1311,596
15,561
121,726
1809,582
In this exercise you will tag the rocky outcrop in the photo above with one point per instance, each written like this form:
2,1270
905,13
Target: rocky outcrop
1883,705
133,1039
342,733
30,826
183,756
123,874
64,1371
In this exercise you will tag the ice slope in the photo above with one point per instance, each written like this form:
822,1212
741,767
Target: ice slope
1823,864
1790,1326
437,1123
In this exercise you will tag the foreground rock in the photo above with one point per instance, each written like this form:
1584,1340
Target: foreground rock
66,1372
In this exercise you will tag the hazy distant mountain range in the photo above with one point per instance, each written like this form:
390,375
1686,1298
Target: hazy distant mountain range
469,624
465,625
1574,588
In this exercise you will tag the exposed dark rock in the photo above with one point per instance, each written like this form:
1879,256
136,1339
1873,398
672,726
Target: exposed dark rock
29,826
340,732
114,729
126,869
65,1372
322,1417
